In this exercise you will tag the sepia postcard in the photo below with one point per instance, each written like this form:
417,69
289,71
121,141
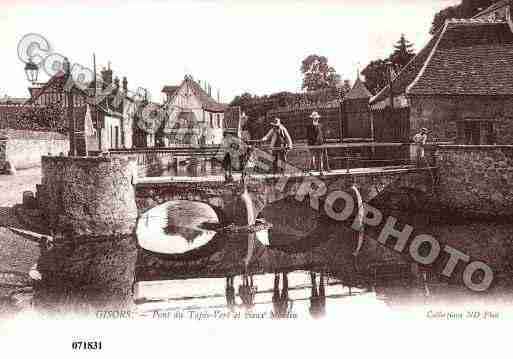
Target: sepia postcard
204,178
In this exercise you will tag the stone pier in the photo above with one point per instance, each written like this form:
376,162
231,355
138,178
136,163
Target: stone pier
90,207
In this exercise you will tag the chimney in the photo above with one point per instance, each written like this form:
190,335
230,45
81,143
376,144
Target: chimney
116,84
106,77
125,85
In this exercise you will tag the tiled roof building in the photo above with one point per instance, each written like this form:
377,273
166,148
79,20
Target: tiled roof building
460,85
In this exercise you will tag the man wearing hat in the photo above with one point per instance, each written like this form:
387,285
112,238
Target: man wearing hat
315,137
419,141
242,130
280,142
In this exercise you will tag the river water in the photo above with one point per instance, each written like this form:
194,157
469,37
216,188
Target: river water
180,227
300,243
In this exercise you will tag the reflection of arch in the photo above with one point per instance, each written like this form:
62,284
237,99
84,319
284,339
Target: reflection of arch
403,197
181,220
216,244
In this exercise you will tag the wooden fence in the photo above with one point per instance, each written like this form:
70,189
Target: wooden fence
391,125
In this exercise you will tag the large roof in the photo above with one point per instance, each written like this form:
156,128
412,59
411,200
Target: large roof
7,100
358,92
207,102
466,57
170,90
56,83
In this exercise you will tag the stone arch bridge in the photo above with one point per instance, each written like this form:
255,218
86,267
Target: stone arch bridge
266,189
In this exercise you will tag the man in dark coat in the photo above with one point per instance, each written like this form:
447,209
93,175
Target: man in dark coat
315,137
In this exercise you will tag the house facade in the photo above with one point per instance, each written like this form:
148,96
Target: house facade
101,125
193,116
460,85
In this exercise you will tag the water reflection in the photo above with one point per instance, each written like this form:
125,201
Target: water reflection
180,227
260,294
247,291
176,227
230,293
318,297
191,167
281,300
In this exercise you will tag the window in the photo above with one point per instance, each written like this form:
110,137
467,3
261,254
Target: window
476,132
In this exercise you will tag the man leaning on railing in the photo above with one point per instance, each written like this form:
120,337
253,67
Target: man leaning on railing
281,142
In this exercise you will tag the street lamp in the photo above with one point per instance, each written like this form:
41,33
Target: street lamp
68,90
31,70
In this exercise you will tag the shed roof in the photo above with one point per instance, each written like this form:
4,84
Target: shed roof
358,92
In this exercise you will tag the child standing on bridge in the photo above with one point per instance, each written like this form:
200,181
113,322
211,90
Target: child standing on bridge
419,141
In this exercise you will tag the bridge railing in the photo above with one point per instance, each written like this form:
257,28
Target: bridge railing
361,155
336,156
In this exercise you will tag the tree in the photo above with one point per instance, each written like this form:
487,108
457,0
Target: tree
450,12
403,53
376,75
242,100
465,10
469,8
318,74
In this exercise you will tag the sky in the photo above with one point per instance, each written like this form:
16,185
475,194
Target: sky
237,46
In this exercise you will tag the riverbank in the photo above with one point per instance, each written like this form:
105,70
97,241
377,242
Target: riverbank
17,253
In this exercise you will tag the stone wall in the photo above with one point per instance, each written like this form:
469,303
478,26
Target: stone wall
24,148
440,115
476,180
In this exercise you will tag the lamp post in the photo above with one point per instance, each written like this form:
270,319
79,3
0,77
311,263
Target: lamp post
31,70
68,89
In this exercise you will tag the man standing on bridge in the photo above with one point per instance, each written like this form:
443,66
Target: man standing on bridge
316,138
281,142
